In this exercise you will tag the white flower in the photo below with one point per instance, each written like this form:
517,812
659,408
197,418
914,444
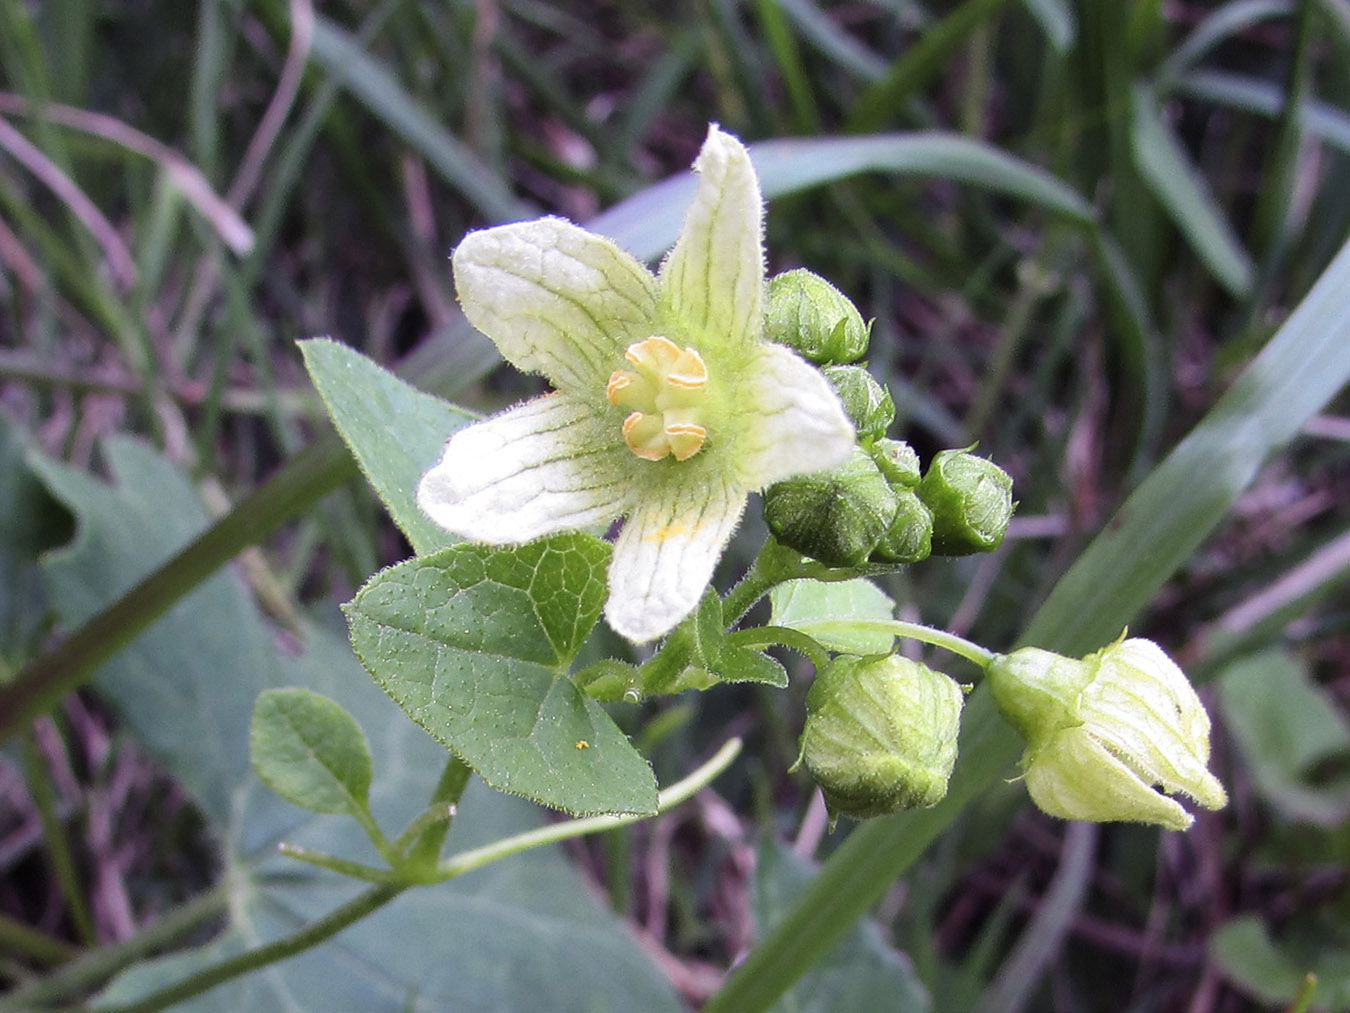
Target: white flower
1107,736
670,406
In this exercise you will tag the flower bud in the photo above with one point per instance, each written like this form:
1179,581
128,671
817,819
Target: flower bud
867,402
971,502
835,516
807,313
909,538
880,734
1111,736
898,461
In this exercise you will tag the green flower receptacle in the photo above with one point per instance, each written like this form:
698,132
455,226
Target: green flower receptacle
881,735
812,317
971,502
836,516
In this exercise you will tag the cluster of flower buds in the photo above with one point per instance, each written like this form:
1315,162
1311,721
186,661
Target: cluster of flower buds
880,734
878,506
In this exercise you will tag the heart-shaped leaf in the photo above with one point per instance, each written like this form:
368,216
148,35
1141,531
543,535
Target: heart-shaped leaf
475,643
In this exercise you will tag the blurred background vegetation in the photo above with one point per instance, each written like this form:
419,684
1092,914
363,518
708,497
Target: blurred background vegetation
187,188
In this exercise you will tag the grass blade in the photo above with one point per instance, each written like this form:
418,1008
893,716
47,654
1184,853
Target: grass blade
1174,180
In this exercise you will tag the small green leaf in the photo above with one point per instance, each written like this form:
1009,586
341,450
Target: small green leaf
395,431
474,643
695,657
799,603
310,751
744,664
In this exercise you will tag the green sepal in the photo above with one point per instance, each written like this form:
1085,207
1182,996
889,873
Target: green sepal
881,734
868,403
971,501
898,461
835,516
909,538
811,316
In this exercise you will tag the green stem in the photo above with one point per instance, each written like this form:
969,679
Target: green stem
429,830
311,935
670,797
18,938
58,846
752,587
899,628
356,870
96,966
763,636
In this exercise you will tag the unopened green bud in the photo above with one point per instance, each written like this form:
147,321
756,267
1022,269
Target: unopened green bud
867,402
971,502
880,734
835,516
807,313
1109,737
898,461
909,538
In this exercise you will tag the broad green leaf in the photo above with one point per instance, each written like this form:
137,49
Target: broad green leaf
1285,725
30,523
1254,963
489,940
395,431
1176,182
474,643
862,974
799,604
310,751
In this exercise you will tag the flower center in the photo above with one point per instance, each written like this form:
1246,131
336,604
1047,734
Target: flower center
666,389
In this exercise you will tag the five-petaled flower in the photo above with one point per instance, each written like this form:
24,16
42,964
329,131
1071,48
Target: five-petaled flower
670,406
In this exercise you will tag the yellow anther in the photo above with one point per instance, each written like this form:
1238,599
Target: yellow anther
665,389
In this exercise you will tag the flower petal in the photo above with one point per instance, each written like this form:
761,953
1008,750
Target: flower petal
713,280
1075,778
543,466
793,422
666,553
555,299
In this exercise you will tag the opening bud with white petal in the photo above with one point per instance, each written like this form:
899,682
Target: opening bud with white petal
971,502
835,516
880,734
1110,737
811,316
